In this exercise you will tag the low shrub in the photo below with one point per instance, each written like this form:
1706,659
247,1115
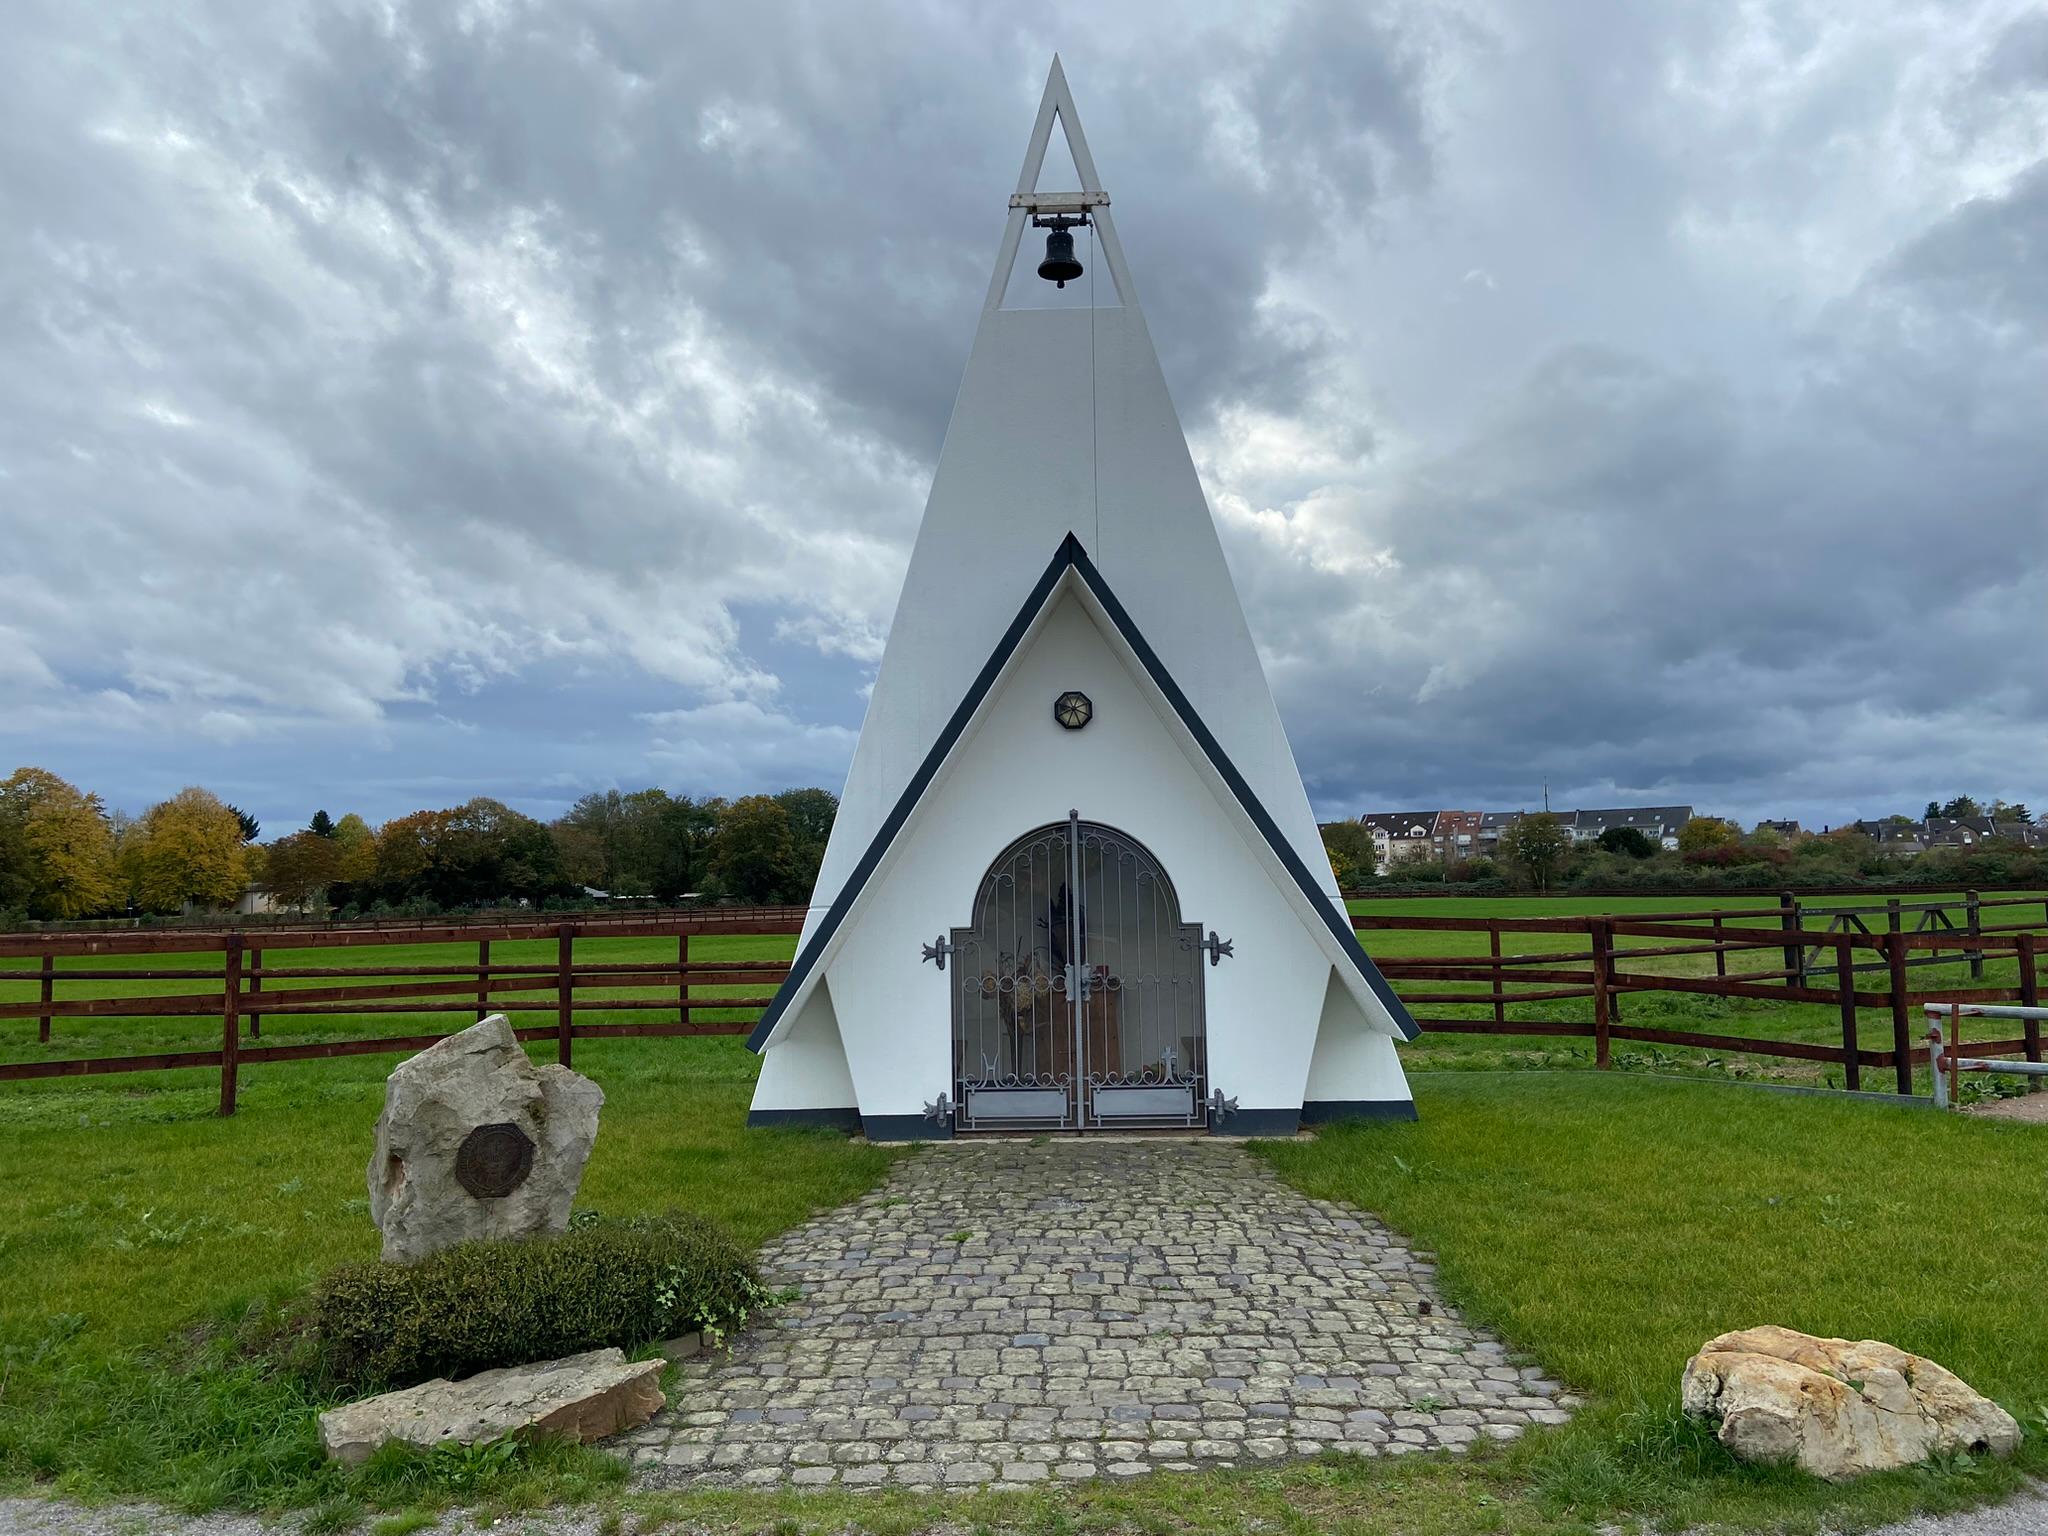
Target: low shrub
479,1305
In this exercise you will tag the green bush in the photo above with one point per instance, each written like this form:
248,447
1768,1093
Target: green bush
488,1304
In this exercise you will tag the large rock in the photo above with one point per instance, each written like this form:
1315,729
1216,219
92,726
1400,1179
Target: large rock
1839,1409
583,1397
477,1142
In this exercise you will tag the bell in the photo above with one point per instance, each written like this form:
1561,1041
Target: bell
1059,263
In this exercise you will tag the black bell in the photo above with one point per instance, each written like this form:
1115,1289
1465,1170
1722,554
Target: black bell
1059,263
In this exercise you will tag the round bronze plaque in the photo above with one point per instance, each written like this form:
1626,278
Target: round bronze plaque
494,1160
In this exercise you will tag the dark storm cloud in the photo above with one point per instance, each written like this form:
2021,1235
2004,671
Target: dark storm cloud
530,397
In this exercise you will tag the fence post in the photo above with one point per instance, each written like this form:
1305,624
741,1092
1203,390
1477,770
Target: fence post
230,1020
1500,1006
1598,930
2030,997
49,991
682,978
254,1017
1972,902
1902,1025
565,1005
1788,919
1845,989
1720,954
483,980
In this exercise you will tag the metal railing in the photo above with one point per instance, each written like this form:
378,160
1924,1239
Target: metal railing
1947,1063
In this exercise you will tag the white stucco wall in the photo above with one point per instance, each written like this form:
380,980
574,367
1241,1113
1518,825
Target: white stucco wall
1018,770
807,1069
1354,1061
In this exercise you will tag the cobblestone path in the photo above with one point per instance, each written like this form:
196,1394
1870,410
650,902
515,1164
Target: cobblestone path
1008,1313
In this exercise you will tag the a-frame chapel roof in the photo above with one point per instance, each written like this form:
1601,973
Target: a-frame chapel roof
1070,564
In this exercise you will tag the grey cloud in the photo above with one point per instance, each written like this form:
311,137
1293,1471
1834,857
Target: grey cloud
363,364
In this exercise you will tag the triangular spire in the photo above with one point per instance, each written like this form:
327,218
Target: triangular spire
1057,106
1063,421
1058,101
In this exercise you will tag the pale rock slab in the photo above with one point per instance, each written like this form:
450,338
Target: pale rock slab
1839,1408
434,1101
581,1398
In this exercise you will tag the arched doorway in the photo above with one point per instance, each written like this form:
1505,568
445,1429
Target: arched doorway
1078,1014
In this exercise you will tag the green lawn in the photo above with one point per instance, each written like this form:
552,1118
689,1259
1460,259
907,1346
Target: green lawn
1608,1225
1605,1224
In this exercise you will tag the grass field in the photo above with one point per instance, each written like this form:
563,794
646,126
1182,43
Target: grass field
1604,1223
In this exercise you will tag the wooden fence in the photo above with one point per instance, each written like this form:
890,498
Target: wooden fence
242,991
235,991
1604,973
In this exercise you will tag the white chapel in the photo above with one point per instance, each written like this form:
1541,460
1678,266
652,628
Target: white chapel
1075,883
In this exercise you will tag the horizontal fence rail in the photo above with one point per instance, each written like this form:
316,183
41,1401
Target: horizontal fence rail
236,986
1845,958
1794,953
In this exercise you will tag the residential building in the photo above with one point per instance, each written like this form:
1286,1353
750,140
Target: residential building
1661,824
1956,831
1903,839
1456,835
1410,835
1491,825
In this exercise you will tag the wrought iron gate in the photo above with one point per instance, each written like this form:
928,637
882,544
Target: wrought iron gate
1077,990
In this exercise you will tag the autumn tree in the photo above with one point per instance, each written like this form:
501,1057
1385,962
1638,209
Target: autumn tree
1351,853
296,869
478,853
593,837
56,848
1707,832
811,814
687,828
646,843
405,853
1538,846
187,849
357,846
580,852
753,853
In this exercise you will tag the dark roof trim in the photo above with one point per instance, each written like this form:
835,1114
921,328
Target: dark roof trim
920,781
1072,556
1340,927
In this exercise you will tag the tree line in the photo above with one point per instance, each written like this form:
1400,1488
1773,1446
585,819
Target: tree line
1537,852
64,855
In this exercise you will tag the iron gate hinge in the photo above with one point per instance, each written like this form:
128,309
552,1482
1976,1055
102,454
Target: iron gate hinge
1217,948
942,1111
1220,1108
940,950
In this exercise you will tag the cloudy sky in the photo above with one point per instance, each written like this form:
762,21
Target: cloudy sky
404,402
